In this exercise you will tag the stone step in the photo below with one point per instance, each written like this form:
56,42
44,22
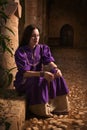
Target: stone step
12,110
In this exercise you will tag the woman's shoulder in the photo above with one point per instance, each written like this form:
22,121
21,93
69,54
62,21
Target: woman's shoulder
44,46
20,50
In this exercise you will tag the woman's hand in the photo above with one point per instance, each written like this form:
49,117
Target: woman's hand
58,73
54,69
48,76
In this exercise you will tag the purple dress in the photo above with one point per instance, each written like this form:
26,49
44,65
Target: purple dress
36,88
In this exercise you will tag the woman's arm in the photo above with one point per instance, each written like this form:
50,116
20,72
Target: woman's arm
54,67
31,74
47,75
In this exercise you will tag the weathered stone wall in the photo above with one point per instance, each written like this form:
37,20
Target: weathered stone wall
30,12
35,13
50,16
72,13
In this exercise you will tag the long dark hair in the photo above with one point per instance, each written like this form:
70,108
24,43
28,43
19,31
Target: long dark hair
27,34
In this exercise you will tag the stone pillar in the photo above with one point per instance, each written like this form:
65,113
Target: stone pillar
35,13
30,12
42,19
13,11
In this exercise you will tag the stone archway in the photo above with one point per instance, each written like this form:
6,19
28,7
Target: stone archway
66,36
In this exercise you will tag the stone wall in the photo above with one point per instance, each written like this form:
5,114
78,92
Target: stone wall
51,16
30,12
35,13
72,13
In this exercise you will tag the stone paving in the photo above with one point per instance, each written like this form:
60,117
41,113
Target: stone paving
73,64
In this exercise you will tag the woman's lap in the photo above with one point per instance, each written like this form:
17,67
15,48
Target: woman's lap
43,97
40,91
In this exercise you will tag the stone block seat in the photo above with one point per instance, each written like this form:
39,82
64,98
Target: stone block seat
12,110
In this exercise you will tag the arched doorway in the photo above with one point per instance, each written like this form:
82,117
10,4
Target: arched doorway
66,36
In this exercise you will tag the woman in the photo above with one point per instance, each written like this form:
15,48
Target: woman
46,91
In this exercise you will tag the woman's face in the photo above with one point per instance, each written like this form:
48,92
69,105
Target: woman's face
34,38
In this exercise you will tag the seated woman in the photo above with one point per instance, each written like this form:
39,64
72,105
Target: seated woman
46,91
